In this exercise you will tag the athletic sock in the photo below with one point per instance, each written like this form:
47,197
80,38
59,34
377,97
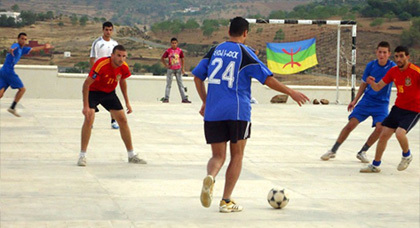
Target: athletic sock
112,120
406,154
130,153
376,163
13,105
82,154
364,148
335,147
226,200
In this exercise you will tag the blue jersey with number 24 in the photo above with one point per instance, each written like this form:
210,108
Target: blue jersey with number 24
230,68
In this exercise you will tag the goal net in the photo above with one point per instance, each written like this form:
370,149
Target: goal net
335,49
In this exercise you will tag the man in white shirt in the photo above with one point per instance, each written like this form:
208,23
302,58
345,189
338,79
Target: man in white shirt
102,47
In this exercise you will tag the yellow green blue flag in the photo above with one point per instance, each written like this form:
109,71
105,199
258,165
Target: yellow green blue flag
292,57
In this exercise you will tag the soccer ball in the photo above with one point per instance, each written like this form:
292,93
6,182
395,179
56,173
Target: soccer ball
278,198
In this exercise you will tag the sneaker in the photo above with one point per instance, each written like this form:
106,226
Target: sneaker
81,161
362,157
13,111
229,207
114,125
165,100
328,155
207,191
186,101
136,160
370,169
405,161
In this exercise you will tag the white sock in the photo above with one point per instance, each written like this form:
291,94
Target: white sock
82,154
131,153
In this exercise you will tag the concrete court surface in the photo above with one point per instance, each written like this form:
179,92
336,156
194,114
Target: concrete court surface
41,186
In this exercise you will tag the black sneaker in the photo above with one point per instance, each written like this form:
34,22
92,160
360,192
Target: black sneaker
186,101
165,101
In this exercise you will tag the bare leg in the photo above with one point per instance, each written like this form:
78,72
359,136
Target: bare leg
19,94
383,140
218,158
401,135
124,128
2,92
87,129
351,125
375,135
235,166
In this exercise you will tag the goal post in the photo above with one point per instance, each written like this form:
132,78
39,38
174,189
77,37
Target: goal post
351,61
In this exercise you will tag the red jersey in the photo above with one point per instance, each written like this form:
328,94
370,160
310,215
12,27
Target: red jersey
106,77
174,57
408,86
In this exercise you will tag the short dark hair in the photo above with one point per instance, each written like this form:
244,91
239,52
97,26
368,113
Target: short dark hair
107,24
174,39
119,47
22,34
384,44
238,25
402,49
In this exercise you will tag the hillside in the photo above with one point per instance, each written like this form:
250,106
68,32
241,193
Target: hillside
78,39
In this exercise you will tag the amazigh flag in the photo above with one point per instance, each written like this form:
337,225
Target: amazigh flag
292,57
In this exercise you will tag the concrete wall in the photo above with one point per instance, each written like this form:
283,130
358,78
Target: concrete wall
46,82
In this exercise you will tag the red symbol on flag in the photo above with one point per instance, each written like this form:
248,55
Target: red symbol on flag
291,55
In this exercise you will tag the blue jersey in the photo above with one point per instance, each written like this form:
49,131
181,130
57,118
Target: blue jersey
11,61
374,69
230,68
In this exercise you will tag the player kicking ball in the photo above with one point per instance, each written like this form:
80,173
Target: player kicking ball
226,107
99,88
8,76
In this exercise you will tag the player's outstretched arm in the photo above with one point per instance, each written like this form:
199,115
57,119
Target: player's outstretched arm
46,46
297,96
375,86
85,92
201,89
123,86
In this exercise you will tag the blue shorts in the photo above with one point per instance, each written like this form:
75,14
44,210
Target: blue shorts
364,109
9,78
402,118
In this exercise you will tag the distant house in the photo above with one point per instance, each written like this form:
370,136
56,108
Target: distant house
15,15
191,10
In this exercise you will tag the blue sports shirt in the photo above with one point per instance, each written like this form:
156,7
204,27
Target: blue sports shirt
374,69
230,68
11,61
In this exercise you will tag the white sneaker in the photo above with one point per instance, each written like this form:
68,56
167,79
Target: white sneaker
362,157
13,111
136,160
405,161
207,191
81,161
114,125
328,155
370,169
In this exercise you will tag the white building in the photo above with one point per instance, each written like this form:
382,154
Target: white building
15,15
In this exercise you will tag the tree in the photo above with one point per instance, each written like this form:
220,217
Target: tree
82,66
191,24
279,35
377,22
137,67
15,8
83,20
404,16
411,37
73,19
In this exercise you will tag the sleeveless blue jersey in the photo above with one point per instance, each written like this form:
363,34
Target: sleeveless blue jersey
230,68
374,69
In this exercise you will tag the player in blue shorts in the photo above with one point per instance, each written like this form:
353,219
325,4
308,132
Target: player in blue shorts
8,76
373,103
229,68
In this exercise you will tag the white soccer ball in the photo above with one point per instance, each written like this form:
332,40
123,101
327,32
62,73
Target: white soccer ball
278,198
